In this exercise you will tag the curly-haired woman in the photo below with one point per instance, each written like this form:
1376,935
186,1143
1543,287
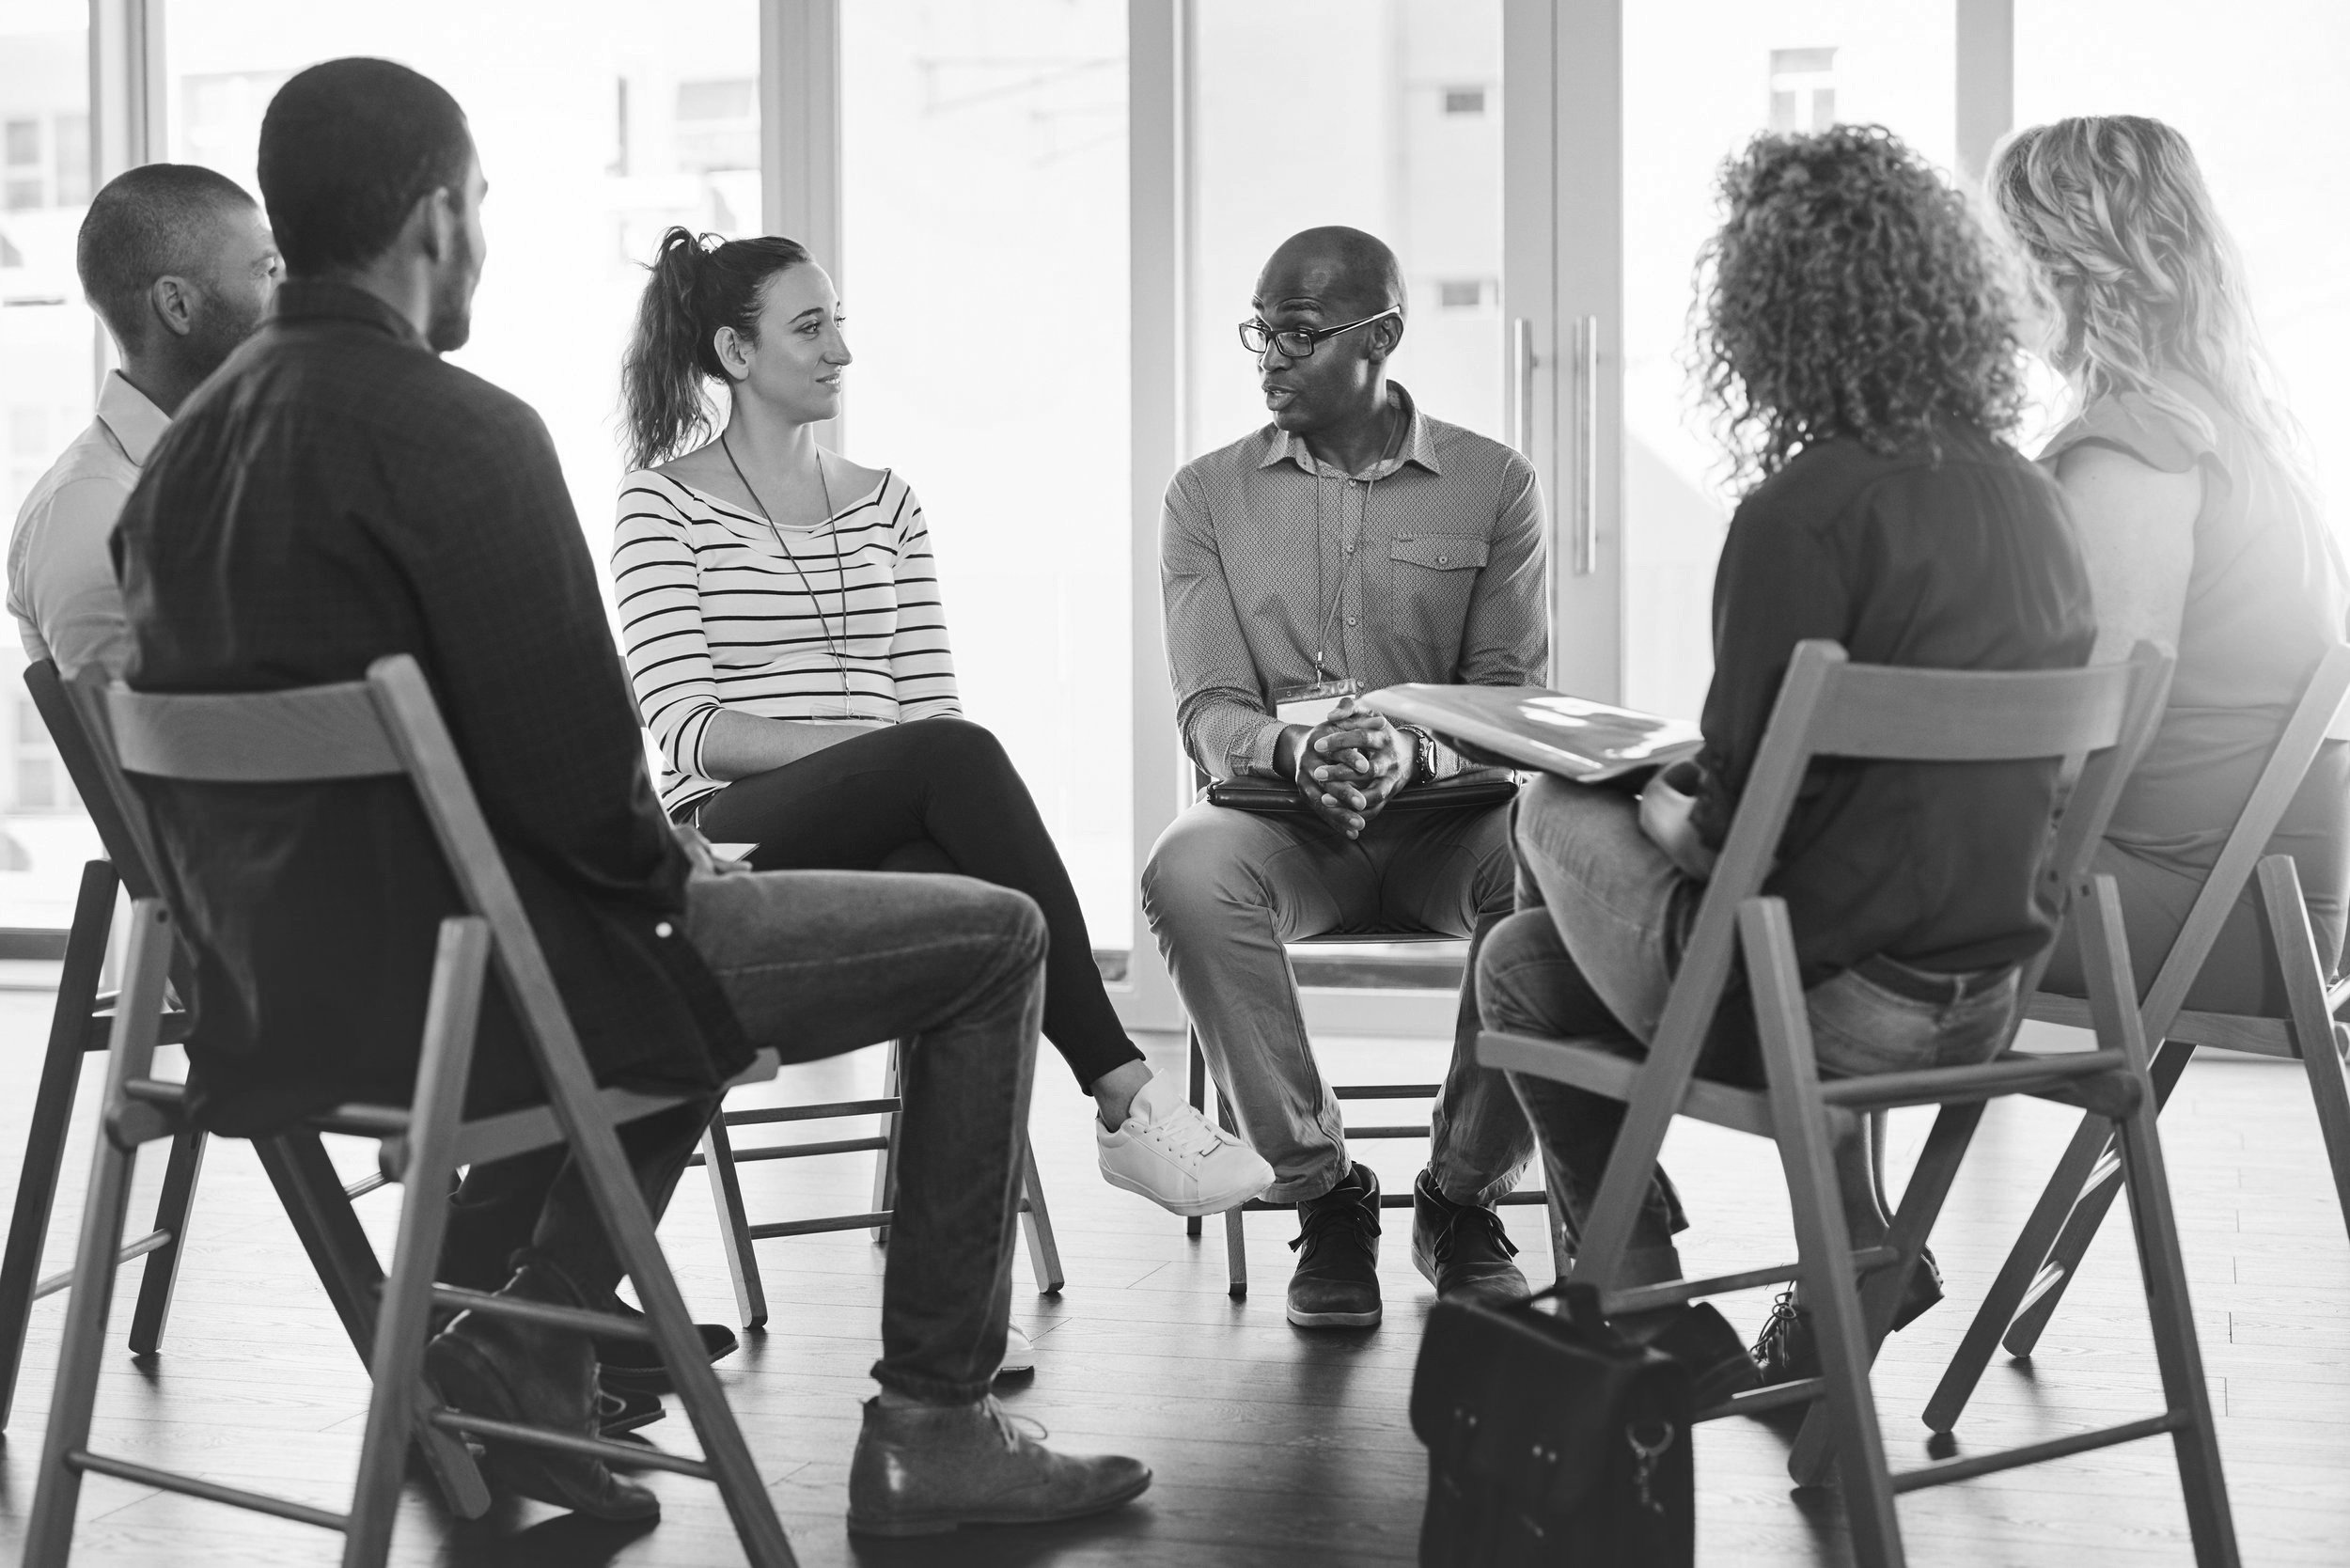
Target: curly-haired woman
782,621
1858,340
2197,524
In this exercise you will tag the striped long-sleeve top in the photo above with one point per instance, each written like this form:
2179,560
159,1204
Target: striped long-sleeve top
714,615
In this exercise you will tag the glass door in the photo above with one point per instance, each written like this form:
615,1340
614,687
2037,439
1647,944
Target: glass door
1698,79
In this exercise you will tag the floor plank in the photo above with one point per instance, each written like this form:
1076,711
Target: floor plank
1273,1448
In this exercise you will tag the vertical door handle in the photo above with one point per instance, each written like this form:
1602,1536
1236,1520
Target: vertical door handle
1522,378
1585,446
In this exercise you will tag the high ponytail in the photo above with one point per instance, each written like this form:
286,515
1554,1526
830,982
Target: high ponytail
699,283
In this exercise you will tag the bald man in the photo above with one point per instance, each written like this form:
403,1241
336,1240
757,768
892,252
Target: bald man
1351,543
180,264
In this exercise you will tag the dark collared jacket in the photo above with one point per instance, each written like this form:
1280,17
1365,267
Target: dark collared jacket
334,493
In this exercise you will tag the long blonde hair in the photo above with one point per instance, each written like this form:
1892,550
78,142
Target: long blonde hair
2113,213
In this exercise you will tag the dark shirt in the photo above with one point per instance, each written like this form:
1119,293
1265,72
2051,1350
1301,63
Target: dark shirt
1960,561
334,493
2264,604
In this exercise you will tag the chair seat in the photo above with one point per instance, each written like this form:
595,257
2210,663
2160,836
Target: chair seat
2266,1037
2097,1080
511,1133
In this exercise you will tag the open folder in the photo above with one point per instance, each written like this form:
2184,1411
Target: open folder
1527,726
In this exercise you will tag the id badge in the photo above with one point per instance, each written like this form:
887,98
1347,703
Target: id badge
1310,704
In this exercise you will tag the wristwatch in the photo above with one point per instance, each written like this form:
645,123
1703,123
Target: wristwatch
1432,759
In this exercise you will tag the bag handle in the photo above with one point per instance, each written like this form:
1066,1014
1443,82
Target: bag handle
1582,1305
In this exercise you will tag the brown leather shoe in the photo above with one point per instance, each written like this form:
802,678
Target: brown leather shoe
509,1371
929,1470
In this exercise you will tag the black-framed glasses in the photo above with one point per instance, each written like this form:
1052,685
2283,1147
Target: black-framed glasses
1299,342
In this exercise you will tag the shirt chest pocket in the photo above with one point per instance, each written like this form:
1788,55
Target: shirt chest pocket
1430,578
1439,553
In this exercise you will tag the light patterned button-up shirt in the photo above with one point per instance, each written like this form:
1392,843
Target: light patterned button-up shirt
1425,566
61,581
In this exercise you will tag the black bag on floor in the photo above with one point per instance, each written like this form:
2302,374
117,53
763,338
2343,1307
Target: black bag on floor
1553,1442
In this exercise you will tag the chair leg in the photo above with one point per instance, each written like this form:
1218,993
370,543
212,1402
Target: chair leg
49,1533
734,1224
400,1396
629,1223
2080,1227
1036,1220
1800,1124
886,1159
1195,1089
57,1490
311,1193
53,1114
2162,1265
2315,1035
1235,1231
161,1269
1928,1190
2015,1278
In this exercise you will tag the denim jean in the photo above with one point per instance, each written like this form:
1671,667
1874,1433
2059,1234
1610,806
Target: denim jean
1224,889
818,962
1591,953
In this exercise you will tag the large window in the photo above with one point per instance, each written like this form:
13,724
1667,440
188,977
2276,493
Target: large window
2263,91
985,171
1699,79
48,349
1384,115
599,122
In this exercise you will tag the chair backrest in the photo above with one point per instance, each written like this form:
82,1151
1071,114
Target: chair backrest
2321,715
385,726
124,844
1829,707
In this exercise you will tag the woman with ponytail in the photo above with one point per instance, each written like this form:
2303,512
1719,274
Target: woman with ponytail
2181,470
784,634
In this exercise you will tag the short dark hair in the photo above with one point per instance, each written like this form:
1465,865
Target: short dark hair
348,148
146,222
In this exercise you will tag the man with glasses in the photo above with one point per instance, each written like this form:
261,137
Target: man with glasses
1351,543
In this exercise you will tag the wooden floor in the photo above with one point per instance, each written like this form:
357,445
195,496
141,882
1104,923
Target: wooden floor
1272,1447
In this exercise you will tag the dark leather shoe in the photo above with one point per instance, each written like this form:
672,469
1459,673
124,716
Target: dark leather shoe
1461,1248
635,1366
1787,1350
1336,1281
509,1371
624,1410
928,1471
1700,1339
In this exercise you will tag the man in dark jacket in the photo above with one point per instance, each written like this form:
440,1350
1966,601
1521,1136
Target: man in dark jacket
335,494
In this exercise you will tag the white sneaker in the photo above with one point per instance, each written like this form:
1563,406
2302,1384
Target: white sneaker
1174,1156
1019,1353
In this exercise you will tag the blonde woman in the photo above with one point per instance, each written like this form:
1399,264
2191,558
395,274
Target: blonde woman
2197,524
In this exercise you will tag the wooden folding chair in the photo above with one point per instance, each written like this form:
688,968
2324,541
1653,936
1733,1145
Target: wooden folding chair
80,1025
737,1234
2048,1252
385,726
1197,1085
1830,708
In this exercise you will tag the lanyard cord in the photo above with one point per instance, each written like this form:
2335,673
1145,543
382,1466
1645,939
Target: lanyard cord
839,569
1328,619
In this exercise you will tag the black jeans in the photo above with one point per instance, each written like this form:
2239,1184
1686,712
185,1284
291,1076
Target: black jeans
936,794
815,964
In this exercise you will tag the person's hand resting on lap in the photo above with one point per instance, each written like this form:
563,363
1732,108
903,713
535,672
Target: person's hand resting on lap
1666,818
1347,767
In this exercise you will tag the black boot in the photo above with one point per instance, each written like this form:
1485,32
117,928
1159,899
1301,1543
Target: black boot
1336,1282
1461,1248
509,1371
